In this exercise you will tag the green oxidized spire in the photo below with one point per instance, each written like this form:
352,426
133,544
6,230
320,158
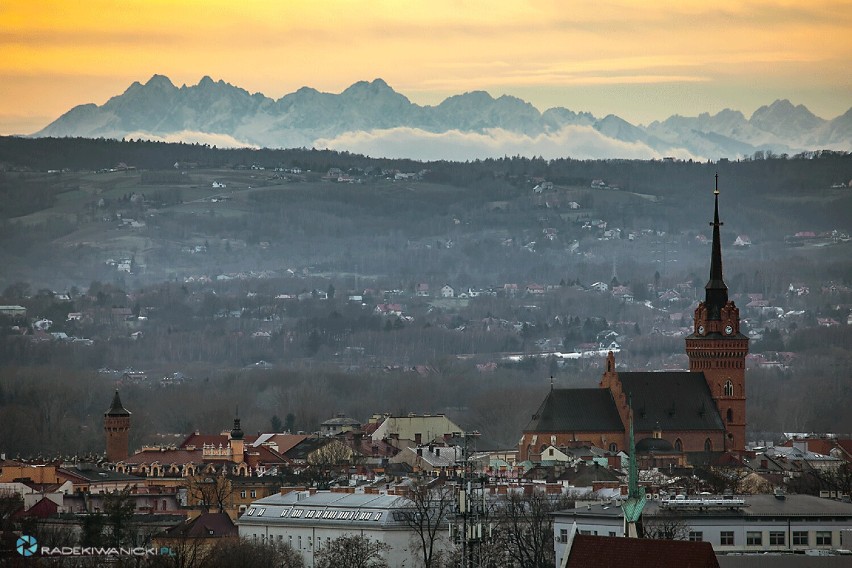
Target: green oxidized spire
632,507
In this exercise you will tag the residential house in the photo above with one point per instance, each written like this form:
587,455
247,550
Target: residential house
422,290
431,460
195,538
413,429
742,241
338,425
13,311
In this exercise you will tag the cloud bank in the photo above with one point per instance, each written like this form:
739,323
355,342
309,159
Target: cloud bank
192,137
580,142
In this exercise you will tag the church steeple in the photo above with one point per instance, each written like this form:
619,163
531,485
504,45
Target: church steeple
716,292
716,347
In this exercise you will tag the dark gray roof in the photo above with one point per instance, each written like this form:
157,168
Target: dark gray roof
581,410
677,400
116,408
303,449
756,506
657,445
93,473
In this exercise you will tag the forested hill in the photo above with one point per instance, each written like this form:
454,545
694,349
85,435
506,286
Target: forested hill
758,174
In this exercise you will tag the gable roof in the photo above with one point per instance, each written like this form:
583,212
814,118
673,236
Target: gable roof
582,410
676,400
306,447
589,551
206,525
43,509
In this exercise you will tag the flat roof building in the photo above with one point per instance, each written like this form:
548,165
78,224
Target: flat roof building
308,521
741,524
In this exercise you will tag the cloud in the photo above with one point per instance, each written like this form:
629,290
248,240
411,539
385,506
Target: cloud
192,137
581,142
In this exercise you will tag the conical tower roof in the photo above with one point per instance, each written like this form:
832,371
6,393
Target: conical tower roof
716,292
117,409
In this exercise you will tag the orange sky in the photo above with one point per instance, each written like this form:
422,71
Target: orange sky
640,60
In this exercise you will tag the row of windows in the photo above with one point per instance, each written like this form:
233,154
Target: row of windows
320,514
753,538
717,365
563,534
713,354
298,544
776,538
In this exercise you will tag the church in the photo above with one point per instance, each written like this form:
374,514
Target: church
699,410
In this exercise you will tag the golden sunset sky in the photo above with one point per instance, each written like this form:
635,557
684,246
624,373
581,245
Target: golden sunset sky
640,60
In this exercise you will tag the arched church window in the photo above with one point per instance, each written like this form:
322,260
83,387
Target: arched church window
708,445
613,447
729,388
730,415
678,445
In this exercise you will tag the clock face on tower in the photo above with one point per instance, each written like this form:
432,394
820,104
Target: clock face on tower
729,330
700,330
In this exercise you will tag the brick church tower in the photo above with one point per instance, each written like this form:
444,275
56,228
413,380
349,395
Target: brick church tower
117,430
718,349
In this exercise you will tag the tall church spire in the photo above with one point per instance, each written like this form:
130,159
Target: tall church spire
716,292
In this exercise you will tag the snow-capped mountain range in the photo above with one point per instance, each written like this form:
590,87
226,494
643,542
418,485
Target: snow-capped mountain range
372,118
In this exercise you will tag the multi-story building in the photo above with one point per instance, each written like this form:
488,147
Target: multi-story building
309,520
749,524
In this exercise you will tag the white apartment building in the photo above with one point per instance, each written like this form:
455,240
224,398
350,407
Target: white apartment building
308,521
742,524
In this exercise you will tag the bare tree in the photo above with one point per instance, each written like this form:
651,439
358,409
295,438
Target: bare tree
428,511
119,507
208,492
352,551
525,524
723,479
327,462
666,526
10,501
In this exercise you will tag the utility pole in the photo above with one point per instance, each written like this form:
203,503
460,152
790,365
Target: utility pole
470,526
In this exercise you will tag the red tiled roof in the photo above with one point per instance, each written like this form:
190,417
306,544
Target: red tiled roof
589,551
206,525
264,455
283,441
165,457
43,509
198,440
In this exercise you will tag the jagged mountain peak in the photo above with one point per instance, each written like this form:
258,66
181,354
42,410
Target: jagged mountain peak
374,86
160,81
308,115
